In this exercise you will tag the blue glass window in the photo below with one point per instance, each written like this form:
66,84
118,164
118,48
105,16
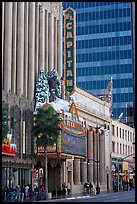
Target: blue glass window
129,40
128,12
109,41
93,16
129,26
105,28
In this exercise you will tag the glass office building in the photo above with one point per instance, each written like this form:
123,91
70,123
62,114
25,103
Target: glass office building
105,49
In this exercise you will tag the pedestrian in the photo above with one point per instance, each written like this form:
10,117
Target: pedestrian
11,194
68,188
2,193
6,193
90,188
130,185
94,190
84,188
17,190
42,190
27,192
87,188
36,192
63,189
30,191
22,193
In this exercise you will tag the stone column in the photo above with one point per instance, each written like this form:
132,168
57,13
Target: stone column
95,158
16,174
76,171
102,159
51,42
42,39
20,48
59,43
90,155
84,171
8,46
37,41
21,131
55,43
3,25
31,50
14,44
26,25
46,41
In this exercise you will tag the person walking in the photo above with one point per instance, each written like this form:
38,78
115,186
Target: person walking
42,191
36,192
68,188
90,188
17,197
6,193
12,194
130,185
22,193
27,192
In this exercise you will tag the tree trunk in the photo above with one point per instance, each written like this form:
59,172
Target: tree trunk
46,175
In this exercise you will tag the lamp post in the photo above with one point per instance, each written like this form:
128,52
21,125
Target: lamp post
97,136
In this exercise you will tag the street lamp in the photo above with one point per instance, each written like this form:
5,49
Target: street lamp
97,136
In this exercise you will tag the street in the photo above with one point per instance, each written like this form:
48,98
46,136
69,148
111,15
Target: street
126,196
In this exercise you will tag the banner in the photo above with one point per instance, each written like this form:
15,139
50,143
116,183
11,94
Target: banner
69,49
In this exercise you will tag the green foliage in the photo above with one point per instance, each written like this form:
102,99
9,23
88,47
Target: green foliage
47,123
5,119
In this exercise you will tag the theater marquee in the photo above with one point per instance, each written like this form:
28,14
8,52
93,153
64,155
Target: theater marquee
69,49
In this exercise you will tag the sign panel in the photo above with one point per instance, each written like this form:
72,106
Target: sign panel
8,148
125,166
73,145
69,49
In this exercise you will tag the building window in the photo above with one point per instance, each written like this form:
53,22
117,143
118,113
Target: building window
126,149
117,131
123,148
128,135
123,133
131,136
113,130
133,149
120,132
117,147
120,149
113,146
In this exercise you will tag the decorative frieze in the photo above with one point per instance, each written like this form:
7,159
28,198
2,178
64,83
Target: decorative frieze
52,7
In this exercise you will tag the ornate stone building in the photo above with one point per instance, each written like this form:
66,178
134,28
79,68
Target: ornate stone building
97,115
31,39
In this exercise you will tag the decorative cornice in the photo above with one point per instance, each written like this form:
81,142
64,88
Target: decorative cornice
53,7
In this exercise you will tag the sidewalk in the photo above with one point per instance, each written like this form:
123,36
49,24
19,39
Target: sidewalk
74,196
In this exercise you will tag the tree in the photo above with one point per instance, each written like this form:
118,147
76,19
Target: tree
42,88
46,128
5,119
